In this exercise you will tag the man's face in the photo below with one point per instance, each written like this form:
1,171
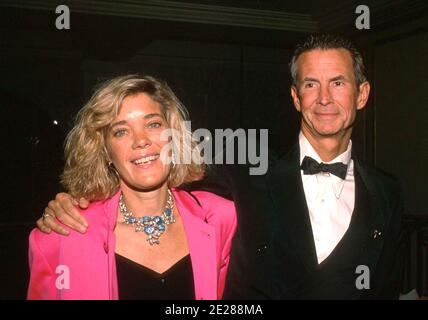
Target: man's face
326,94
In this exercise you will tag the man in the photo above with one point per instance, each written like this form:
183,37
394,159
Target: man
320,223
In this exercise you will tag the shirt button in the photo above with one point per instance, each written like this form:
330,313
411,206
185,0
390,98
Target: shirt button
163,280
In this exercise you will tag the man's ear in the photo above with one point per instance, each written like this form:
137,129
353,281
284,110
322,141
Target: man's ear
295,96
363,95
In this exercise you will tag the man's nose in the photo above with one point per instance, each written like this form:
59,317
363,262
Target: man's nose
324,97
141,140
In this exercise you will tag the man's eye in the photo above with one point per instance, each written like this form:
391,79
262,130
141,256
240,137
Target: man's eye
155,125
338,83
119,133
309,85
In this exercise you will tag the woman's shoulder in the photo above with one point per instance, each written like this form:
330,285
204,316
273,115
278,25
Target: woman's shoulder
98,212
93,213
216,208
95,207
207,199
43,244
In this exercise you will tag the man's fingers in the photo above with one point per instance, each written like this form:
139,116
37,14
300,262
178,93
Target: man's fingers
75,215
41,226
67,213
49,222
69,221
83,203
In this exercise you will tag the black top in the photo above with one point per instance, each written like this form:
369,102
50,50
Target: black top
137,282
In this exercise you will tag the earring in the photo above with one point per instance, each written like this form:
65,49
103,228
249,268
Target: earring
112,168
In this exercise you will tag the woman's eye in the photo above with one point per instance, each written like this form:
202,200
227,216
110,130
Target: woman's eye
119,133
155,125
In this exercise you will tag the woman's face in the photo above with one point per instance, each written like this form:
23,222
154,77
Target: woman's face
134,145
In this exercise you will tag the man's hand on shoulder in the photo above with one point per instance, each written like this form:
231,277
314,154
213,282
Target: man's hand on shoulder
64,209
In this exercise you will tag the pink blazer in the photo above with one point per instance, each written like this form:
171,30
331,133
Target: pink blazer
87,261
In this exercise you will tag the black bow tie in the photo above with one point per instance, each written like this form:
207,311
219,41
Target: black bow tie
311,166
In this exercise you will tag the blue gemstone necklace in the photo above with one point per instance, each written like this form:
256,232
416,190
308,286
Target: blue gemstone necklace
152,226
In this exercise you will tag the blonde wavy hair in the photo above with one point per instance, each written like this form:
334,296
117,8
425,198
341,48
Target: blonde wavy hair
87,172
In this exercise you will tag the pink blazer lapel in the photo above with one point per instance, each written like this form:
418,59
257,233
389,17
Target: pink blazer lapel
92,262
202,246
111,208
87,263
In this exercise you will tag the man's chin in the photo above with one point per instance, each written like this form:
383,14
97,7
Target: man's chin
326,131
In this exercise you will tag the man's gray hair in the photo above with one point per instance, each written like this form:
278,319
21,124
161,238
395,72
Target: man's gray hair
327,42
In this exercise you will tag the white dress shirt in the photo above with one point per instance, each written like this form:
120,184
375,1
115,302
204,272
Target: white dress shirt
330,200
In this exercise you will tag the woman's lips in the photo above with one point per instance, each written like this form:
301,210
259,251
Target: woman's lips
146,160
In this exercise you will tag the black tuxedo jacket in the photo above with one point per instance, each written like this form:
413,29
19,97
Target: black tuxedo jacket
273,253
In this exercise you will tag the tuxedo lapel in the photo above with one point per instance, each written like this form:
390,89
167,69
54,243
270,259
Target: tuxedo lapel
376,220
286,189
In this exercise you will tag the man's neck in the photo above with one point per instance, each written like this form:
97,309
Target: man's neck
328,148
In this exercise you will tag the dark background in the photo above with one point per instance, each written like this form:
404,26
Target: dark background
227,62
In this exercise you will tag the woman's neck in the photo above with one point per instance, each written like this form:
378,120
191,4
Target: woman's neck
145,203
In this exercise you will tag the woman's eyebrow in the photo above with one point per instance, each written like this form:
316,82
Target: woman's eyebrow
118,123
147,116
152,115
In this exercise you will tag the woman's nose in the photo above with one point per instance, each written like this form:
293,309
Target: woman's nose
141,140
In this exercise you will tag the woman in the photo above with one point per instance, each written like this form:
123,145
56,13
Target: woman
147,239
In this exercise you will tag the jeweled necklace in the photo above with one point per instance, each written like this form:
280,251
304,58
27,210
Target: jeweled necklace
152,226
